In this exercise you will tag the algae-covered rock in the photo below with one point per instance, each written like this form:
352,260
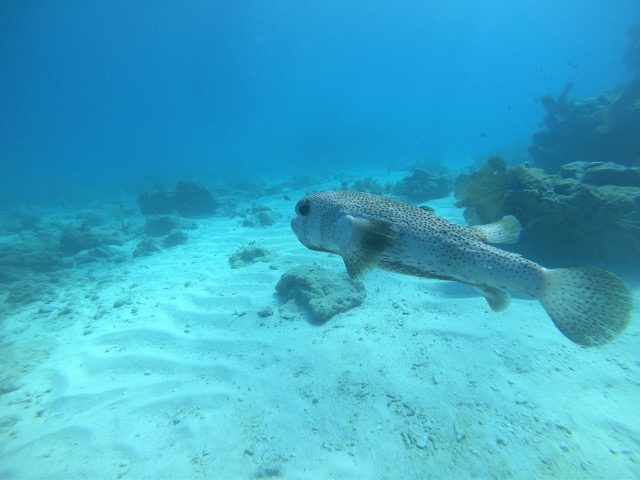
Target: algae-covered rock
566,221
323,292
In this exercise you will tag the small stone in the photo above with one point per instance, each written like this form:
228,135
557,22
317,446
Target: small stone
423,442
564,447
268,471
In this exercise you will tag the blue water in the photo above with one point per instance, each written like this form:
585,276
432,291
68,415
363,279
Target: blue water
118,93
136,343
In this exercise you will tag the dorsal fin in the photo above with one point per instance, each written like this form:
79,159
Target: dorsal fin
505,230
368,241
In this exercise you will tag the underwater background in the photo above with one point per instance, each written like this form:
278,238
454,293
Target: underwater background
97,95
160,319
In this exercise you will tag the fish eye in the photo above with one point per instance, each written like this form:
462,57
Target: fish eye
303,207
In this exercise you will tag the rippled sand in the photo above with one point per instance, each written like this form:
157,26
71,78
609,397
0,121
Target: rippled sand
161,367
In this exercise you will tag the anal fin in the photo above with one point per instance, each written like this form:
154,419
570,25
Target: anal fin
497,298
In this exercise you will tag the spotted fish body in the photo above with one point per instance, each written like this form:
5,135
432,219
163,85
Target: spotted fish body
590,307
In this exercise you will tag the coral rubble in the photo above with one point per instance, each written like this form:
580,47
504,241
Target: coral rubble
249,254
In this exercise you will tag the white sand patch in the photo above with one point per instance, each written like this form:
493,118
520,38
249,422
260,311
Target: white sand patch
162,368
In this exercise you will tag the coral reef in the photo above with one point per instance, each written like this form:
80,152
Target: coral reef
600,174
189,200
260,216
37,249
161,225
422,186
74,240
369,185
89,231
322,292
600,129
162,232
589,215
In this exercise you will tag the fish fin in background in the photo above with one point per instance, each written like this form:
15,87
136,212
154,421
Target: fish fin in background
497,298
363,249
505,230
590,307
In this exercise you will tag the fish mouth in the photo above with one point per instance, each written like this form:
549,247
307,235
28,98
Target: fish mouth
299,231
295,227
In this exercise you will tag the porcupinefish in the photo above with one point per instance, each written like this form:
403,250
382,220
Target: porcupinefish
589,306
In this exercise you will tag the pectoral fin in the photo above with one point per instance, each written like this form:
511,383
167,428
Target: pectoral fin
365,245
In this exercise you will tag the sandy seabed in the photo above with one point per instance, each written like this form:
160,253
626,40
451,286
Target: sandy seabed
162,367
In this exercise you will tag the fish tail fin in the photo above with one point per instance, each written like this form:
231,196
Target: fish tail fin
505,230
590,307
